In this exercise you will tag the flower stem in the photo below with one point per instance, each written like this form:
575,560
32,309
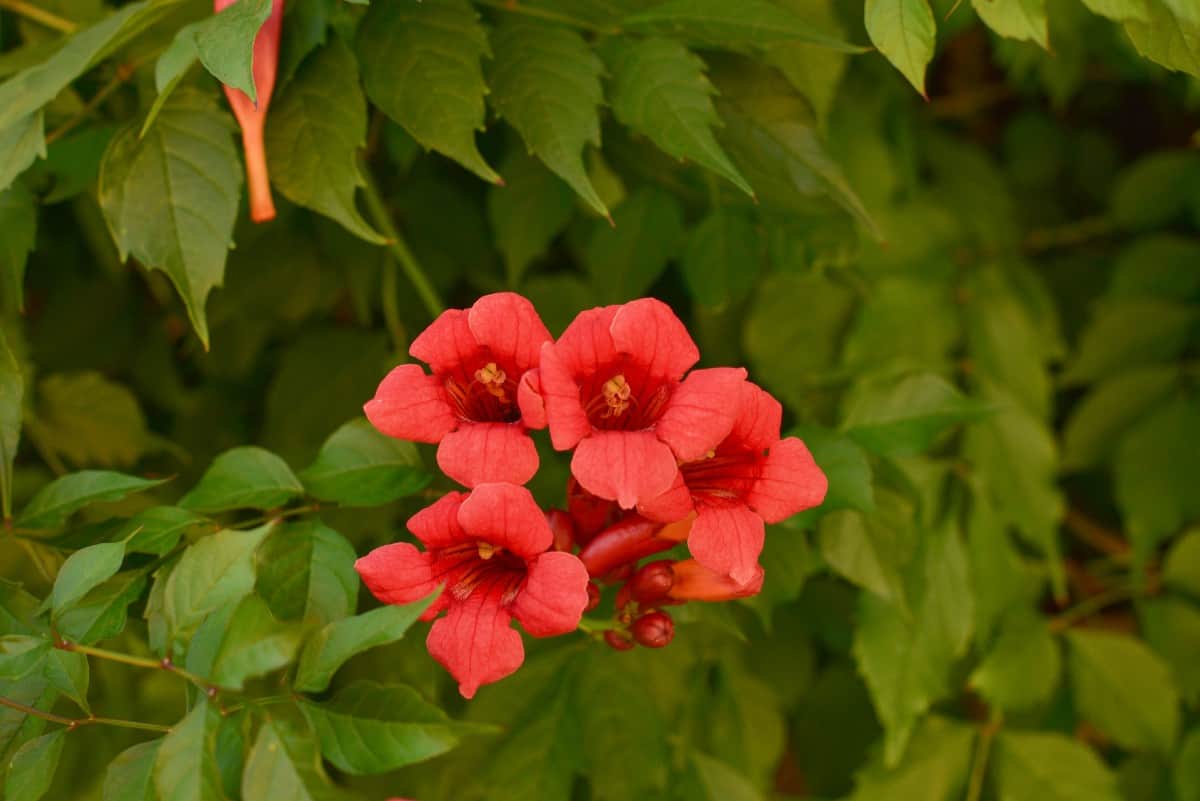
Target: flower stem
983,751
514,7
399,248
75,723
40,16
281,515
123,74
1091,605
592,626
203,684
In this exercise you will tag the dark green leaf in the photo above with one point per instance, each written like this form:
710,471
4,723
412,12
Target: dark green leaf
101,613
527,212
358,466
1021,670
21,144
68,672
84,570
214,572
33,767
1181,569
1129,334
18,222
845,466
722,259
712,22
244,478
12,395
717,781
306,572
285,764
91,420
158,529
625,259
905,415
130,777
224,43
935,767
64,496
1049,767
254,644
1187,768
1172,628
1157,189
185,768
871,550
20,655
1111,408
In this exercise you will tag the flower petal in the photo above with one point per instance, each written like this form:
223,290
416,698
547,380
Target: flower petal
727,538
554,595
702,411
437,524
695,582
790,482
508,325
476,641
478,453
579,353
759,416
674,504
506,515
397,573
628,467
411,405
447,345
530,401
652,335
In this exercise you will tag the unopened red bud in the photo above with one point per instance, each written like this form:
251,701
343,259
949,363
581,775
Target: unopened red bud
593,597
622,573
624,597
618,640
564,529
623,543
651,583
591,514
653,629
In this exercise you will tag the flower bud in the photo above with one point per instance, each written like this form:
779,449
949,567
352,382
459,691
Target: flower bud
651,583
564,529
623,543
593,596
694,582
618,640
653,629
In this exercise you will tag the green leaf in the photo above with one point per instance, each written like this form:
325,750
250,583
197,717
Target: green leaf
1016,19
1172,628
254,644
625,259
285,764
101,614
716,23
21,143
905,32
1167,39
358,466
18,221
660,91
33,767
91,420
845,466
1187,768
527,212
373,728
224,43
68,672
935,767
1049,767
1022,667
420,65
883,333
1129,334
1114,406
1119,10
171,198
12,396
185,768
20,655
314,133
306,572
545,81
717,781
158,529
905,415
64,496
130,777
332,646
247,477
722,259
1123,689
871,550
216,571
1157,189
1181,568
84,570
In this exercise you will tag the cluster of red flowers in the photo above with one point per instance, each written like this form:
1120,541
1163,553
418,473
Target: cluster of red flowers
661,456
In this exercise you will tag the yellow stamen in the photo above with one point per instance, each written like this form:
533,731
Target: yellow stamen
487,550
616,394
492,378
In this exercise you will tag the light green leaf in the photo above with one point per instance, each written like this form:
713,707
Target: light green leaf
934,768
420,64
18,222
722,259
660,91
1016,19
717,781
68,672
12,396
224,43
285,764
247,477
905,415
372,728
1171,626
21,143
216,571
306,572
545,81
332,646
253,644
358,466
720,24
84,570
1167,39
1181,568
1022,667
1049,767
1154,191
20,654
905,32
1114,406
157,530
625,259
1130,334
871,550
61,498
185,768
1120,10
130,777
883,333
101,614
314,133
91,420
1123,689
33,767
845,466
1187,768
171,198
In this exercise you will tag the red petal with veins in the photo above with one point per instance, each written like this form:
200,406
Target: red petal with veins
674,504
475,640
397,573
653,336
702,411
507,516
554,595
411,405
437,524
530,401
508,325
581,351
790,482
447,345
727,539
478,453
756,427
628,467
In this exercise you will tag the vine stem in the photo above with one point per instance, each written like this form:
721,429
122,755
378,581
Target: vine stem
982,753
513,7
40,16
594,626
399,248
202,684
75,723
1090,606
281,515
123,74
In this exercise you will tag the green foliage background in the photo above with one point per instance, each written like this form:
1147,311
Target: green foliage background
980,311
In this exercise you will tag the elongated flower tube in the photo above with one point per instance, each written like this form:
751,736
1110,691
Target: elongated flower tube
253,119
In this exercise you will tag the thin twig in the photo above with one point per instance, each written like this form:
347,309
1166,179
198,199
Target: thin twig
40,15
513,7
399,248
123,74
75,723
1093,604
280,515
205,686
983,751
1095,535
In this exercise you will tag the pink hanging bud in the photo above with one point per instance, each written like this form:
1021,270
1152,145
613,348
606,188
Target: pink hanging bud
653,629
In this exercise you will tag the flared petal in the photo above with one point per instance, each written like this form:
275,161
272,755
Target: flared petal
447,345
554,595
587,343
411,405
727,538
790,482
565,416
695,582
506,516
530,401
478,453
397,573
653,336
476,642
437,524
756,426
507,324
702,411
674,504
628,467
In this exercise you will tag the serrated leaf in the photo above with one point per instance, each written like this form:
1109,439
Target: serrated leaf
1130,334
61,498
185,768
90,420
253,644
1123,689
625,259
372,728
659,89
33,767
20,655
158,529
527,212
247,477
332,646
1022,667
720,24
130,777
12,396
1049,767
545,82
68,672
871,550
101,614
216,571
722,258
314,132
18,222
21,143
905,415
84,570
421,67
1114,406
935,767
358,466
306,572
1167,39
224,43
1016,19
171,198
905,32
285,764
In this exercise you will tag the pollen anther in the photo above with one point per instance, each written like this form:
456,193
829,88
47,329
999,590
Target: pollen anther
616,394
492,378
